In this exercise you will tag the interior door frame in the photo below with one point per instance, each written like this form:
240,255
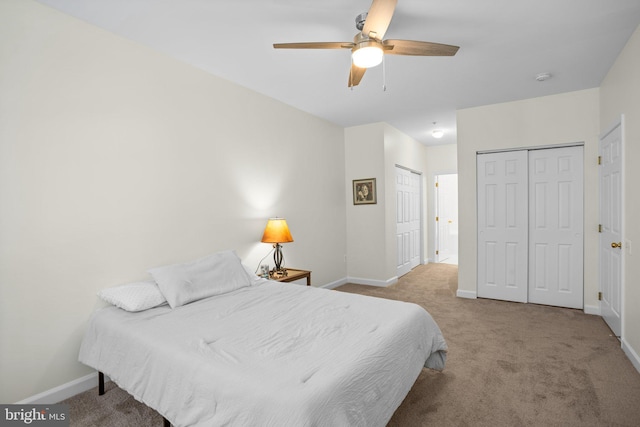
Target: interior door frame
618,123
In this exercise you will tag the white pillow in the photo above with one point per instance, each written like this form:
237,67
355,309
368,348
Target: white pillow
212,275
134,296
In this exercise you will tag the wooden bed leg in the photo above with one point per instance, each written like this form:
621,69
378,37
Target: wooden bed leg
165,422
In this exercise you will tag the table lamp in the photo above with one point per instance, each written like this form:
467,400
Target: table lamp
276,232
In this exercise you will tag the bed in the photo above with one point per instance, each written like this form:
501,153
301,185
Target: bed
267,354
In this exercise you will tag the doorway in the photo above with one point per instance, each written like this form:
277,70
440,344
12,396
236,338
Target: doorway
446,236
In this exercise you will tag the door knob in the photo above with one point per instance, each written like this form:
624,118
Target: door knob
616,245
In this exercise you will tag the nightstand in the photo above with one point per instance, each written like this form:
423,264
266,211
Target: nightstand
292,275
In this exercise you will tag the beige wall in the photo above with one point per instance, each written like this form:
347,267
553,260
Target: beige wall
559,119
115,159
620,94
441,160
373,151
364,158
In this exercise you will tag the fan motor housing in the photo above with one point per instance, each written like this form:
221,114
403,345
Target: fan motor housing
360,40
364,41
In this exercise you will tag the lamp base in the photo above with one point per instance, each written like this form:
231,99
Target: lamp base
278,258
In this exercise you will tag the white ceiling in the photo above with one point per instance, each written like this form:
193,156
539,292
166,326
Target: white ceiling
504,44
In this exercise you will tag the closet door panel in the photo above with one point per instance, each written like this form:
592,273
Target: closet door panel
502,225
556,223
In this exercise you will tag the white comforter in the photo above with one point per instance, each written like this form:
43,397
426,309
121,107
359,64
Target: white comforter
273,354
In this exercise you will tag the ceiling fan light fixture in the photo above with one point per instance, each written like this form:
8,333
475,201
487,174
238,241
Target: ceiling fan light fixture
367,55
369,45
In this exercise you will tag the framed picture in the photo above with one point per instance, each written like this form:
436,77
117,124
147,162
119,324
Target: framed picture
364,191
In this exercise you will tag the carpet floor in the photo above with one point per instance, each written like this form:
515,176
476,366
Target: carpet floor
509,364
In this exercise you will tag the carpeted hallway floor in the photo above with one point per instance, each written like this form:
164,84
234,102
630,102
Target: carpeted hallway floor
509,364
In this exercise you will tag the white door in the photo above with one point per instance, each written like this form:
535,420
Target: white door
408,220
556,227
502,225
611,259
447,218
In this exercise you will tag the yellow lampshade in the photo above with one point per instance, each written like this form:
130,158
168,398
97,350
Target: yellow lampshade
277,231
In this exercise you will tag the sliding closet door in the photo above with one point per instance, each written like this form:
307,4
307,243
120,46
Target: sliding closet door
556,227
502,225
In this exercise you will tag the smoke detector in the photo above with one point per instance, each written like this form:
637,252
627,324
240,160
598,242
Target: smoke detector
543,77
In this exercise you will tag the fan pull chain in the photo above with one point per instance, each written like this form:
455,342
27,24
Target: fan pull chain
384,75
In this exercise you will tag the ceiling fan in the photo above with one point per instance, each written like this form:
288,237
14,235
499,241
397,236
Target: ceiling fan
368,47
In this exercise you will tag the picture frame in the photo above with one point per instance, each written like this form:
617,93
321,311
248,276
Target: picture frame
364,191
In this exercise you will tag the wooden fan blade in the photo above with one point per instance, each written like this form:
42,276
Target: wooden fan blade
411,47
315,45
379,18
355,75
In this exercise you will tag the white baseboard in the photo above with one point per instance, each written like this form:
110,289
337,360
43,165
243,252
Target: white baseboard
371,282
466,294
64,391
335,284
592,309
631,354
